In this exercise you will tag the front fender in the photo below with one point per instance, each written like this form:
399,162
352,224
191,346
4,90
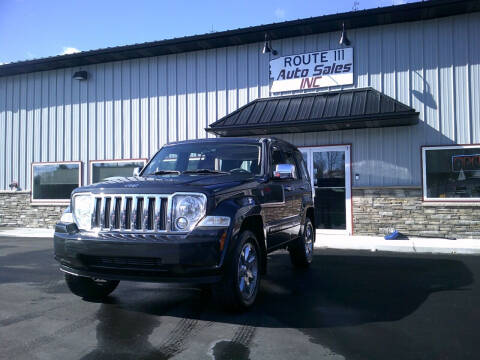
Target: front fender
238,209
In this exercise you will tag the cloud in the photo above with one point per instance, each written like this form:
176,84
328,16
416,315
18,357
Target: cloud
399,2
69,50
280,13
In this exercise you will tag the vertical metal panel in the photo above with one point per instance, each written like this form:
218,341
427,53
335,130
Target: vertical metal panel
460,56
37,138
201,93
126,136
109,135
22,133
192,127
84,144
68,140
131,108
181,86
144,139
474,69
163,123
211,86
446,98
92,101
100,115
8,132
117,119
29,138
172,129
52,120
3,132
153,98
134,120
59,108
15,130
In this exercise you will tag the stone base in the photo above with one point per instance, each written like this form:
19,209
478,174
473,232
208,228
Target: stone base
16,210
376,210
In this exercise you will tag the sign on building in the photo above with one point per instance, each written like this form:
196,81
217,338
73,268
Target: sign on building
312,70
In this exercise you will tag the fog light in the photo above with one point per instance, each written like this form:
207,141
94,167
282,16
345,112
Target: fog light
182,223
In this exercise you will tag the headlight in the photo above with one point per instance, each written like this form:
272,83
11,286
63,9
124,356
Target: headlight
82,211
188,209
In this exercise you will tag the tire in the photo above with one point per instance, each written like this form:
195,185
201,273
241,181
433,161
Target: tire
238,288
301,251
89,288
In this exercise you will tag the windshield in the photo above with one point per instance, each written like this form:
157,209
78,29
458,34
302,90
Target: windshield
206,158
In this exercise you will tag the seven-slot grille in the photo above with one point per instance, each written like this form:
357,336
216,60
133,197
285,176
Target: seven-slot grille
130,212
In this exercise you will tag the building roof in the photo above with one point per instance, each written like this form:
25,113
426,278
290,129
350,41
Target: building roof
355,19
335,110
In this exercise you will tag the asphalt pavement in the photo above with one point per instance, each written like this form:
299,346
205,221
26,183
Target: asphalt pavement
349,305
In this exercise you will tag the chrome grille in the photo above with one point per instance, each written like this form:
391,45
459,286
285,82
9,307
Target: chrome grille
140,213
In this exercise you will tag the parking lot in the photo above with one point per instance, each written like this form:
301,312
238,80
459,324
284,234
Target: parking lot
352,305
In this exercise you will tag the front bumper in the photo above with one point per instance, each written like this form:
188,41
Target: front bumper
195,257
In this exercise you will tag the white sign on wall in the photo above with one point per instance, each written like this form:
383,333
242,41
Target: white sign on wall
312,70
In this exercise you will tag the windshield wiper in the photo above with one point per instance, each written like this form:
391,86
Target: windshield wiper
165,172
204,171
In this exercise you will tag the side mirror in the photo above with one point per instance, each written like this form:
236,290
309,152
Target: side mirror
284,172
136,171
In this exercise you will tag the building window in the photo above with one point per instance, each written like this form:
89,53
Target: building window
54,182
101,170
451,173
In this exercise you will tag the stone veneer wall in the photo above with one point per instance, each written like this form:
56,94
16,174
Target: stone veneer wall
16,210
375,210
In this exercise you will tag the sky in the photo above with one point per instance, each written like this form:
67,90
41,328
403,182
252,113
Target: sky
31,29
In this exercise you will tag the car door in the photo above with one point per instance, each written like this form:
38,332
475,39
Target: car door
280,216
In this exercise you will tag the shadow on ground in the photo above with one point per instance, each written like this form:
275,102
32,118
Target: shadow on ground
337,292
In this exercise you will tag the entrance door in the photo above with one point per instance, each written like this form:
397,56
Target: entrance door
329,168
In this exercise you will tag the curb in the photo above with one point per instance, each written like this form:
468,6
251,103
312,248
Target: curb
27,233
413,245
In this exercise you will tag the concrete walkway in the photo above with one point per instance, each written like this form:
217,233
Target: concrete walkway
329,241
411,245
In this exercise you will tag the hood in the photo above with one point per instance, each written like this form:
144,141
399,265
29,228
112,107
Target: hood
167,184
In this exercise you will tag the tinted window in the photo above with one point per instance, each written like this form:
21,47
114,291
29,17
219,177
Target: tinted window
105,170
452,172
302,166
281,157
54,181
228,157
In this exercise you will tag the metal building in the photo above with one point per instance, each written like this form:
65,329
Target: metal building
421,60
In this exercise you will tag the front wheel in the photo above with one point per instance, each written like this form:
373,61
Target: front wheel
301,251
89,288
239,287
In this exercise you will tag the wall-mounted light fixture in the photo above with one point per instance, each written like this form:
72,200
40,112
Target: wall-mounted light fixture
267,47
343,39
80,75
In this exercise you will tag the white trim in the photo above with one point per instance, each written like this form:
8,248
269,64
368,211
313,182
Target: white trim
91,162
424,175
309,150
53,201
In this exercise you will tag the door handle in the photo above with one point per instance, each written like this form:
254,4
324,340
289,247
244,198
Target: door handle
288,188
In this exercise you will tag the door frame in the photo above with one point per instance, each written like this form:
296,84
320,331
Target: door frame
348,183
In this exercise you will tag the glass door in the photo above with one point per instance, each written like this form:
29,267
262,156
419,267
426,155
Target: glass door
329,168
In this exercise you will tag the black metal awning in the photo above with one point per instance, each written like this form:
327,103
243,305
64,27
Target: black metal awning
335,110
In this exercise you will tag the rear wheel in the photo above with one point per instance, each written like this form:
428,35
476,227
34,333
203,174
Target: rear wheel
239,286
89,288
301,251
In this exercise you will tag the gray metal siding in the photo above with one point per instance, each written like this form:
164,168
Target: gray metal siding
128,109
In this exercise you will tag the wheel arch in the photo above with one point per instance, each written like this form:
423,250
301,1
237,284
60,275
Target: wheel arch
254,223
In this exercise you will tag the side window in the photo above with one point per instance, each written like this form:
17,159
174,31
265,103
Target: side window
302,166
291,160
278,157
